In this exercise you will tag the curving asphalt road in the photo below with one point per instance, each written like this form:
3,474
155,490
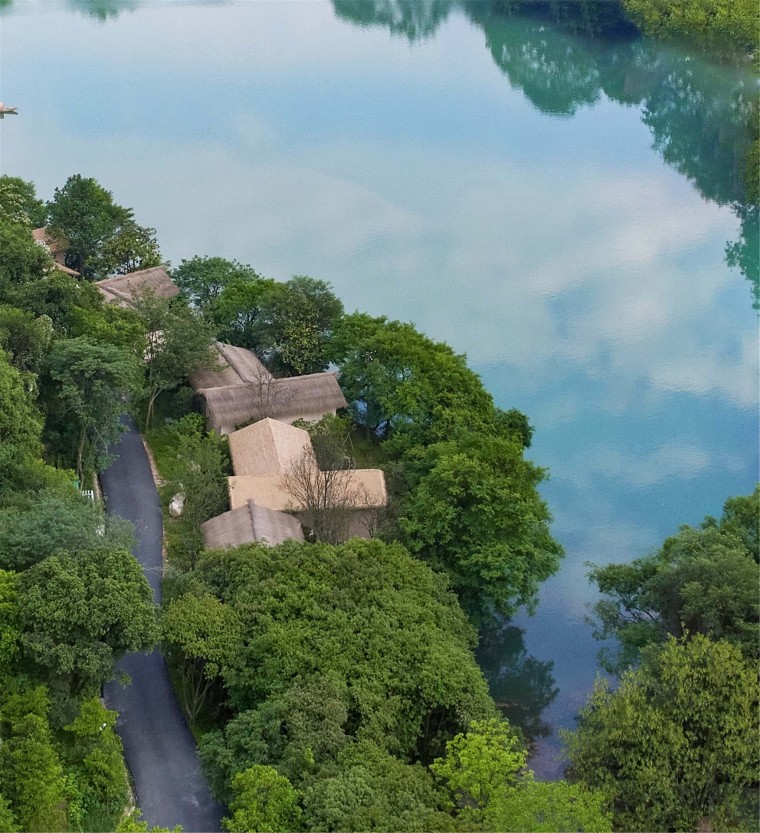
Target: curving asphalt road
158,746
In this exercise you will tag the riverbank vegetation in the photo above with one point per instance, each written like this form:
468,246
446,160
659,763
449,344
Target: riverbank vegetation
73,600
333,686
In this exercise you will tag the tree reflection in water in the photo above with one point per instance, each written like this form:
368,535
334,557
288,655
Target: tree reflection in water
566,54
521,685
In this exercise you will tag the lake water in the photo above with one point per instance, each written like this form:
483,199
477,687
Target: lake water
555,205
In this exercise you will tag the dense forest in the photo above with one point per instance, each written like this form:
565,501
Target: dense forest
333,685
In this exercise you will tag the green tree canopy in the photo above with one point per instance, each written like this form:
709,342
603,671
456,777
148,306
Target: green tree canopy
371,790
30,768
81,612
708,22
179,342
21,259
20,422
264,802
702,581
473,511
485,772
406,388
675,747
19,203
295,324
101,236
93,383
202,280
53,521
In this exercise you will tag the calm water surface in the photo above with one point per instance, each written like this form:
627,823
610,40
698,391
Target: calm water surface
554,205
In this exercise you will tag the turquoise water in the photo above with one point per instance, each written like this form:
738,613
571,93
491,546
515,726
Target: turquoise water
555,205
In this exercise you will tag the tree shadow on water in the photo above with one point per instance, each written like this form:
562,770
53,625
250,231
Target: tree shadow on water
521,685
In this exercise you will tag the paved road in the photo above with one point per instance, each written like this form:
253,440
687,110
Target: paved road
158,746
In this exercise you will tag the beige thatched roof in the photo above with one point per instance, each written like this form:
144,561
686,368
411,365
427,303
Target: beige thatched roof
57,245
243,391
267,447
235,366
368,486
122,289
248,524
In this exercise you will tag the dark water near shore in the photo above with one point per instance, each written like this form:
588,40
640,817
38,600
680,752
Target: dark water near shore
552,197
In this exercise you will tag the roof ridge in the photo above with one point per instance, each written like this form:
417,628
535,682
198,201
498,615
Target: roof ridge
251,506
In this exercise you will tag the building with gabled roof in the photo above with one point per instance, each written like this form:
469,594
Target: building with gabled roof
267,447
124,289
242,391
248,524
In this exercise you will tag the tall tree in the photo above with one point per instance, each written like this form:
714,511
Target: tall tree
19,203
202,280
101,237
295,324
21,259
675,747
179,342
93,383
474,512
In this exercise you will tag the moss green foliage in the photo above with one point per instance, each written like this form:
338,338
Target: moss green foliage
263,802
702,581
51,521
484,771
81,612
677,743
20,422
372,790
713,23
30,769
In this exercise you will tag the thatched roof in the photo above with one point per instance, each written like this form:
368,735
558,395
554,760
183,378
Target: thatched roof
248,524
267,447
235,366
244,391
122,289
57,245
367,484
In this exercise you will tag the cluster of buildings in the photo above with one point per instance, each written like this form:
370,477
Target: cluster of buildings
269,453
256,411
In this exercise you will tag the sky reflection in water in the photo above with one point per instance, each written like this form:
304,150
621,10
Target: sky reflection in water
495,183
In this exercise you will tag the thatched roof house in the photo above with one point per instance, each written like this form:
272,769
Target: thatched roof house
267,447
123,289
57,247
248,524
234,366
270,490
244,391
